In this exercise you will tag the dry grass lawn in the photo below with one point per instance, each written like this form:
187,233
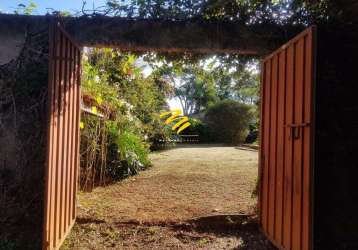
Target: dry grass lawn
194,197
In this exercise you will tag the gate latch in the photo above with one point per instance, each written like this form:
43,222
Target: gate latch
295,129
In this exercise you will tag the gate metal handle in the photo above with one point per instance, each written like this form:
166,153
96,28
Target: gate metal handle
295,129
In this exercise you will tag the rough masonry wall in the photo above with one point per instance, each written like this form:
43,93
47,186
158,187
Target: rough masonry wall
23,126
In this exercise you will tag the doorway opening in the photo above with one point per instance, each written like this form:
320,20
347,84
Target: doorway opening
200,187
129,141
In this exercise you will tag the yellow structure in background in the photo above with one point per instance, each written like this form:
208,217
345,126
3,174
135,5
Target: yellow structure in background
176,114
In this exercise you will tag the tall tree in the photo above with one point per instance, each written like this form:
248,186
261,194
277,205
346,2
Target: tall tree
197,90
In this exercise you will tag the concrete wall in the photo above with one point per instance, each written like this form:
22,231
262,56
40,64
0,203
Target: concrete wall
23,126
12,42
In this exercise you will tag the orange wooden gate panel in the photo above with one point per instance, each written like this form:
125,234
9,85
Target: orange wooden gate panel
63,137
286,143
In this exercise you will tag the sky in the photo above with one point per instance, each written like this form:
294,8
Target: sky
9,6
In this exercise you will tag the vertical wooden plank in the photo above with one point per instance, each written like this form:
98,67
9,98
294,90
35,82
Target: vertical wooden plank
78,115
54,184
306,213
63,137
59,144
297,168
273,147
261,134
70,125
67,134
49,166
70,152
265,184
288,168
54,116
280,146
75,124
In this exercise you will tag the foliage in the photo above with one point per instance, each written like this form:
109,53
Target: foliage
252,137
200,128
139,97
115,79
239,10
119,145
193,86
93,151
243,11
236,79
197,90
133,149
201,83
283,12
115,169
26,9
229,120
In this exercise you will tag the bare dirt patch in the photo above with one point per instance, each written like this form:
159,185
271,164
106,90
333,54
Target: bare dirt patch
194,197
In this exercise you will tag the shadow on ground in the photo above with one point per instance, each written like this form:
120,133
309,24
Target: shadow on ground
83,220
211,228
228,231
241,226
245,148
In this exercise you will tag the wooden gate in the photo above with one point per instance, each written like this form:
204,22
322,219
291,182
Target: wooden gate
63,137
285,199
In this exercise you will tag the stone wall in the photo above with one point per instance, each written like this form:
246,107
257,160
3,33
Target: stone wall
23,127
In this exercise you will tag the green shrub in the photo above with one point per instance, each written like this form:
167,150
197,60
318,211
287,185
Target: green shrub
132,149
159,134
252,137
200,128
229,121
